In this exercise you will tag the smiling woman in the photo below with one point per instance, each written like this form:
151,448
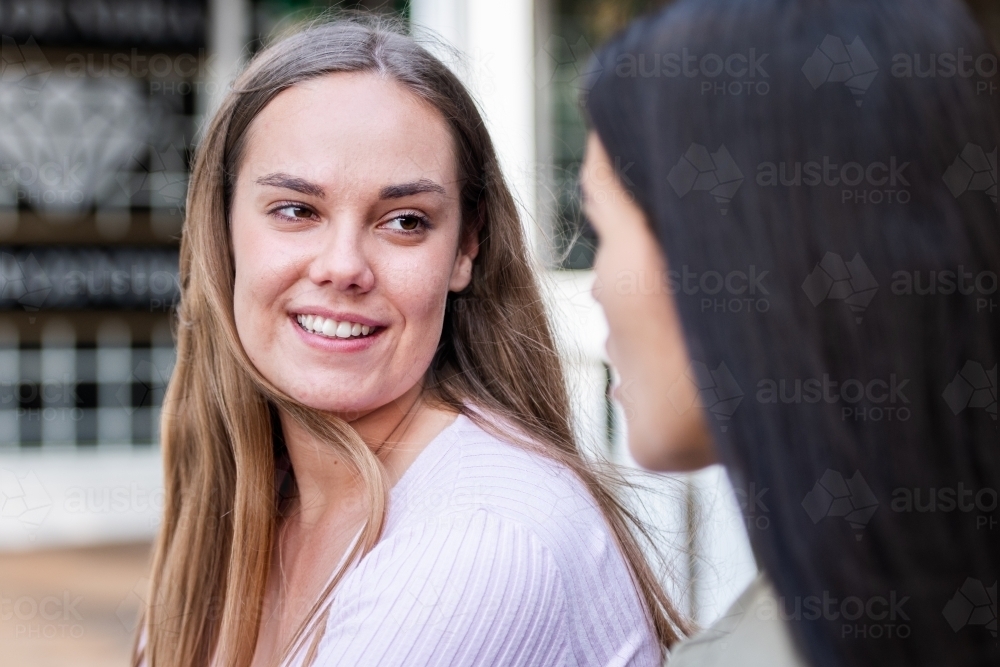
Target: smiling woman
366,439
345,226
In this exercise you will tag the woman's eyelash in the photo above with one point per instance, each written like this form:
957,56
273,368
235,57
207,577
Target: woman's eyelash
276,210
424,222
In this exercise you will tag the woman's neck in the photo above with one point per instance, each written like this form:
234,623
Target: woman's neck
397,432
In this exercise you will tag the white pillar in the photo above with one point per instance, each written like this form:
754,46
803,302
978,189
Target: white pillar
446,19
497,40
229,25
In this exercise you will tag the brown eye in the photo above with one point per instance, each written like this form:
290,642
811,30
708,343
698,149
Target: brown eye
298,212
406,223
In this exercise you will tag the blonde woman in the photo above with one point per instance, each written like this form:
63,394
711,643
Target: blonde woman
367,450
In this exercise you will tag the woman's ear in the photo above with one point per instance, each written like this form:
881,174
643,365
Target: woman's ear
461,274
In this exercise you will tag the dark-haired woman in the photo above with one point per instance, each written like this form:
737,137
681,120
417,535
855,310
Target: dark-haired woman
813,185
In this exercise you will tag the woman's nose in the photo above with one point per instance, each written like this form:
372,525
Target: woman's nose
341,260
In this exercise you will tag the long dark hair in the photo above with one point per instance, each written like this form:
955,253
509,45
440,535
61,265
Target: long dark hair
821,175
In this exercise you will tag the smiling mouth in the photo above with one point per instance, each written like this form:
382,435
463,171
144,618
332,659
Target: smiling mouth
328,328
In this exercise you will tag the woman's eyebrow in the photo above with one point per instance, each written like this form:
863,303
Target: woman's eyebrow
281,180
407,189
289,182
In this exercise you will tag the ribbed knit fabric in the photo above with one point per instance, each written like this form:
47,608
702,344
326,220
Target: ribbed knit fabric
491,556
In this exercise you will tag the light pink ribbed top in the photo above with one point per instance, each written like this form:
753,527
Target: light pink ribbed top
491,556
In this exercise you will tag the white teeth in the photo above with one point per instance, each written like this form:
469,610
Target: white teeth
332,328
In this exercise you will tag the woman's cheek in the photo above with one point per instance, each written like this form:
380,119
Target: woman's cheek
416,291
423,311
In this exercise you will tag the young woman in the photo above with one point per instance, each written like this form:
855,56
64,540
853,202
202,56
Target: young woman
815,191
367,450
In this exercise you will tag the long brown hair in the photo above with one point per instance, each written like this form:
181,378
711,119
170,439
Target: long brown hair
496,353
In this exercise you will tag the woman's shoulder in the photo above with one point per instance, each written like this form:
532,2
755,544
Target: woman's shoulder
503,530
446,591
469,469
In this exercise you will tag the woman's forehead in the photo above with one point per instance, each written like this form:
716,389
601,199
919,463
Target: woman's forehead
349,130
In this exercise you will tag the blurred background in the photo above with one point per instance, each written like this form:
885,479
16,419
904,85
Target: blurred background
101,102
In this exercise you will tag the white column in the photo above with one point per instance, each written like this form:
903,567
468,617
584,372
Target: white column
229,25
446,19
497,40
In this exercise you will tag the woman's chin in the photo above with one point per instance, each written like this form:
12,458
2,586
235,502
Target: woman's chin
655,452
347,407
